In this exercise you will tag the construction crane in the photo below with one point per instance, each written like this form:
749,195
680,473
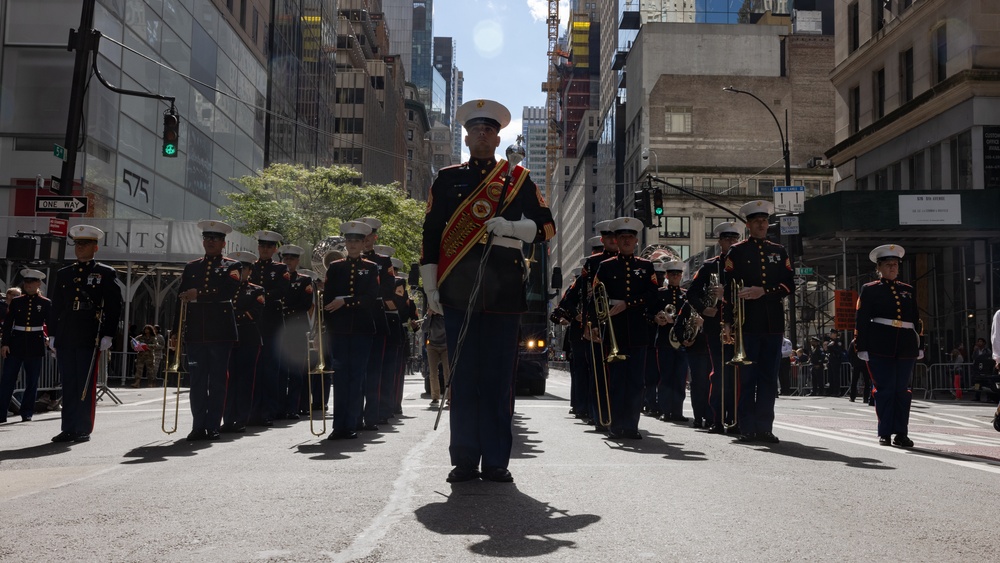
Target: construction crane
551,88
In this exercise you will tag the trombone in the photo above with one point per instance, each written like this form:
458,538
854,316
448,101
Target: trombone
739,353
320,367
176,369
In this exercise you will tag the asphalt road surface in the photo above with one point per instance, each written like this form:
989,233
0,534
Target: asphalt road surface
827,492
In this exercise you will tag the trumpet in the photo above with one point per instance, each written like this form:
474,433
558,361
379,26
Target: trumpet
713,285
177,370
670,312
320,367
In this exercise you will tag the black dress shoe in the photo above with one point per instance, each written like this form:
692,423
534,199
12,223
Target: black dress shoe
884,441
25,419
632,435
698,423
716,429
350,435
734,430
852,399
498,475
370,427
902,441
211,434
383,421
679,418
614,434
600,428
64,437
462,474
86,438
227,428
747,438
292,416
767,437
196,435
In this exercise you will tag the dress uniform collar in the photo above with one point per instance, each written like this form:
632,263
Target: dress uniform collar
88,263
483,165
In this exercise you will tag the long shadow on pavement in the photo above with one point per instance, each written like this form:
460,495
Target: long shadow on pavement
523,447
653,444
32,452
802,451
157,452
515,524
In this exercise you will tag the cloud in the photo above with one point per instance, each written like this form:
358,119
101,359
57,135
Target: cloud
539,10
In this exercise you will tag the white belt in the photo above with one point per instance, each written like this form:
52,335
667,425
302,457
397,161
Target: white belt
507,242
892,322
27,328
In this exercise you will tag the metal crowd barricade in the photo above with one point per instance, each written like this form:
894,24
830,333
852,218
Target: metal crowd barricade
48,380
950,377
801,378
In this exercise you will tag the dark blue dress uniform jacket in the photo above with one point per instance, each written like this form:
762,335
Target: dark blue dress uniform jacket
760,263
698,298
82,290
893,300
356,280
386,285
212,317
275,278
633,280
249,308
503,281
27,311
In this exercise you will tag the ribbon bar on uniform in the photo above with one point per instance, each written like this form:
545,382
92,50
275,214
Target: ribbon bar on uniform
893,322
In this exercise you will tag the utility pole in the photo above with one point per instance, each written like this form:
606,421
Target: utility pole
80,40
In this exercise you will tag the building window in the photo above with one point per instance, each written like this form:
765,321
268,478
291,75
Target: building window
678,120
878,93
915,166
765,188
229,5
854,106
896,175
878,16
936,176
243,14
256,24
906,75
409,134
684,250
940,54
348,125
409,154
961,161
409,174
675,227
853,27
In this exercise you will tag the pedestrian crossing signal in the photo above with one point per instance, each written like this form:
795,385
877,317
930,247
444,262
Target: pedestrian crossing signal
171,133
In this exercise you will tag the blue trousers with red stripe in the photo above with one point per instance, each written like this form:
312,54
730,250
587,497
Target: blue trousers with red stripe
482,387
891,381
77,413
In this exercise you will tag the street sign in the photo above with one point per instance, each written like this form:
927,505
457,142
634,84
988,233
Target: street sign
58,227
59,152
804,271
789,225
54,185
789,199
61,204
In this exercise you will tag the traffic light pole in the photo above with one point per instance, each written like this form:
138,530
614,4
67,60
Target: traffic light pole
84,41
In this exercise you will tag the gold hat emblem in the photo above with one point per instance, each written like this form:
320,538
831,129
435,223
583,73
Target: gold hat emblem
480,103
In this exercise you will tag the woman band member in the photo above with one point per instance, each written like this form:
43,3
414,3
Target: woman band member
888,340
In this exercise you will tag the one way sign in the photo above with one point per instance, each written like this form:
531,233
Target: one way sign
61,204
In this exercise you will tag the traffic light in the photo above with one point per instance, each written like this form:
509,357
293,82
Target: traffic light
658,202
641,209
171,133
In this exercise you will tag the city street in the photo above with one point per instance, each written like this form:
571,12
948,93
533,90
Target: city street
827,492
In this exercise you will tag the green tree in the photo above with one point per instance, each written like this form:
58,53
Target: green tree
307,205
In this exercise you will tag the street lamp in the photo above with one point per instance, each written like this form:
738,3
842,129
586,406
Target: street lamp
788,182
656,162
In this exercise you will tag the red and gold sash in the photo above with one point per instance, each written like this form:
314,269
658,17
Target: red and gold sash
467,225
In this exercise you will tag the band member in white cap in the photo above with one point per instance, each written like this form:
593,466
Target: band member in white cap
208,287
86,308
467,204
349,298
23,338
705,296
631,285
294,342
595,385
248,309
379,404
763,270
672,362
887,329
268,399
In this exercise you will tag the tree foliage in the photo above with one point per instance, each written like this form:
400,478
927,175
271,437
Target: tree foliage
306,205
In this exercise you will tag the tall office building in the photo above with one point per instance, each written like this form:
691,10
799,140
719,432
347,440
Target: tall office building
422,51
399,19
534,129
444,62
120,167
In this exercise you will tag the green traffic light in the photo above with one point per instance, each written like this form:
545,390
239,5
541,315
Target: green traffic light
169,150
658,211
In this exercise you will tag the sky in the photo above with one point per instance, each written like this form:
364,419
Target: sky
501,49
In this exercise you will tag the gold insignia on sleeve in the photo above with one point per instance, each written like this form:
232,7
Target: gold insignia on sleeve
729,264
549,230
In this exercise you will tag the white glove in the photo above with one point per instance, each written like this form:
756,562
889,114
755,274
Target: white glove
429,275
105,343
523,229
920,354
52,343
863,356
